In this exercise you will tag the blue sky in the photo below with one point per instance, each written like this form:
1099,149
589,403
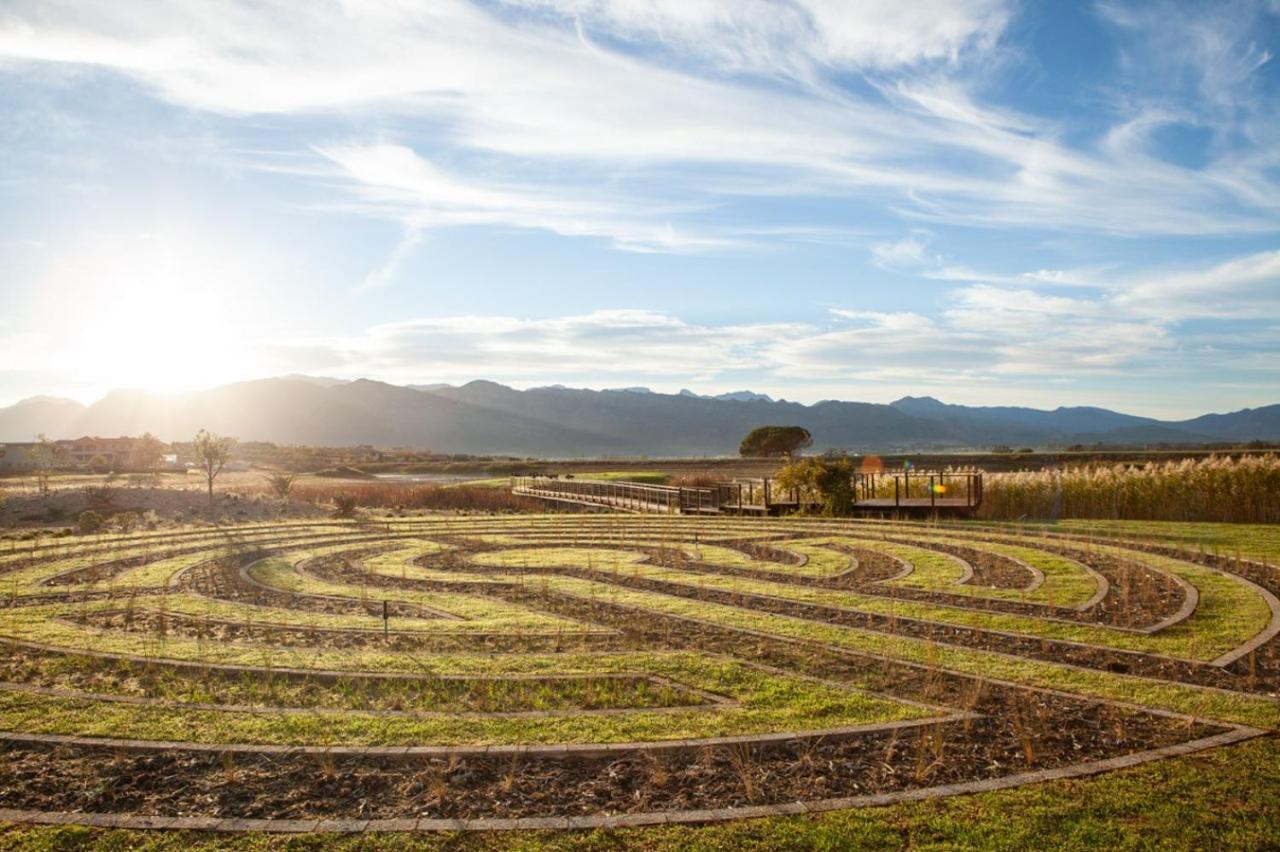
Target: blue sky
991,202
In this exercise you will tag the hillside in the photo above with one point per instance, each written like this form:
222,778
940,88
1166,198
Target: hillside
487,418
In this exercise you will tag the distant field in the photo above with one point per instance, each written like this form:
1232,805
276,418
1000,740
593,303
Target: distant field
606,672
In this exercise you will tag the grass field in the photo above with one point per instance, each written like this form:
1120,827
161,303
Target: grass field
615,675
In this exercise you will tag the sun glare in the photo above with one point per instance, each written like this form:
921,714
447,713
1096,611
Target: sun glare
154,313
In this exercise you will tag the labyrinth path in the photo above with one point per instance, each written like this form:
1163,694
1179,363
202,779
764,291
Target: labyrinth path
598,670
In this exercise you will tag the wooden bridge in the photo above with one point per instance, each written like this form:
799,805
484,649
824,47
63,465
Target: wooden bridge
904,492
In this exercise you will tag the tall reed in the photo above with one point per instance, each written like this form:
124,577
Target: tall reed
1219,488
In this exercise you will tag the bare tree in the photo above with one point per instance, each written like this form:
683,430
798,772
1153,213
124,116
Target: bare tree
45,456
211,452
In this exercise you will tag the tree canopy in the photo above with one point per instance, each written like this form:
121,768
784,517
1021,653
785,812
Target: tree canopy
830,481
775,441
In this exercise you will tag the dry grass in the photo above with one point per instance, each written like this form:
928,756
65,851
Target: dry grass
1243,490
471,498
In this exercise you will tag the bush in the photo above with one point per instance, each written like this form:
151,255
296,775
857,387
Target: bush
822,480
345,505
89,522
281,484
127,522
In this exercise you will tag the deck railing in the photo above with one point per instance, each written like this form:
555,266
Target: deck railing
628,496
906,490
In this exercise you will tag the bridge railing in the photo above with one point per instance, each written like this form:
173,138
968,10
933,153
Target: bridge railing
907,490
633,496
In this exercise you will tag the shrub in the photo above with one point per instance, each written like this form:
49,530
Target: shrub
345,505
89,522
281,484
127,522
827,481
696,480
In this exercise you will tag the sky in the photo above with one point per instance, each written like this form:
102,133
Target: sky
986,201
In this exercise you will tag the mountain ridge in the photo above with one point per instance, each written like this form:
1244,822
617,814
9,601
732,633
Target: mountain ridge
485,417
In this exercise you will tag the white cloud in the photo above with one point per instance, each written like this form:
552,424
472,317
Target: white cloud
531,94
908,254
396,182
601,343
386,271
768,35
1090,277
1242,288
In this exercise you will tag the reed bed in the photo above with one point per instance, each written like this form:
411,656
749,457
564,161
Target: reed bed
1241,490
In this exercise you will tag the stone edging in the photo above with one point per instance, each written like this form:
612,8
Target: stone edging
538,750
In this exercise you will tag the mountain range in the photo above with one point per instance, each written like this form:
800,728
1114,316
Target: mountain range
486,418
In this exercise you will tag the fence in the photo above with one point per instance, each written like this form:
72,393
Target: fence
902,490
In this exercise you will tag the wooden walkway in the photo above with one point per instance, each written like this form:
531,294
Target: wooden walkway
912,494
621,496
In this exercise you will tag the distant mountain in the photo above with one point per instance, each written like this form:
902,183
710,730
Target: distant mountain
487,418
731,396
744,396
47,415
1029,421
322,381
1242,425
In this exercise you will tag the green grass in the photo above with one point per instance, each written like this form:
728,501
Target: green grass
1229,611
764,702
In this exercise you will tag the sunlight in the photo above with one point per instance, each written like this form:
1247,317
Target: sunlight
153,312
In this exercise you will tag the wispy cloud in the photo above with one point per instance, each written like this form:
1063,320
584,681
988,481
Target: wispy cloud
601,344
528,84
395,181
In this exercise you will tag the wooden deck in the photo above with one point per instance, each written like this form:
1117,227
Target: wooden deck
912,494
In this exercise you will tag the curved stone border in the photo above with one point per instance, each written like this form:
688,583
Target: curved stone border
216,549
610,821
1263,637
1190,600
1185,554
1037,576
555,751
710,702
1102,584
247,578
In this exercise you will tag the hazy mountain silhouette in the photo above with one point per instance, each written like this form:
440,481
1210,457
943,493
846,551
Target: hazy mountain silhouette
484,417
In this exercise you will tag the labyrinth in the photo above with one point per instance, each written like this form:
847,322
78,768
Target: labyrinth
577,670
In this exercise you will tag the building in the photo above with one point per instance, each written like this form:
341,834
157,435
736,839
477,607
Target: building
82,451
15,458
117,453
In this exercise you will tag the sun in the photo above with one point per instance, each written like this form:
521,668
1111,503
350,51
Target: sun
158,313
